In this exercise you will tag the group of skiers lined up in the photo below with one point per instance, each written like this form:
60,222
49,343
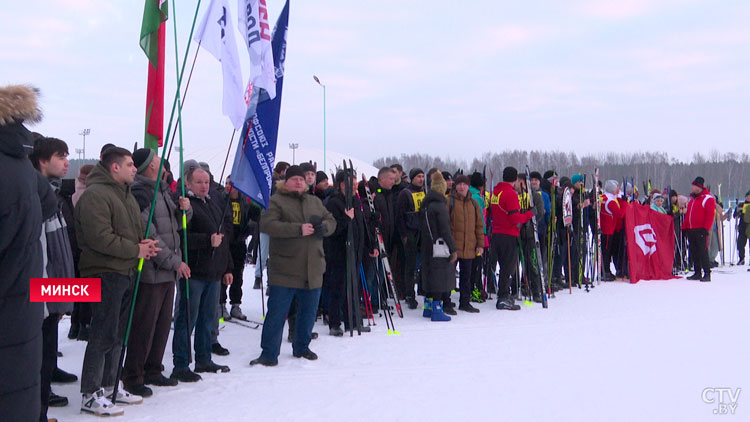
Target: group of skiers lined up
407,235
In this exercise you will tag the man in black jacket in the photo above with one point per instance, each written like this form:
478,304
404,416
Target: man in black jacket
211,264
408,219
739,214
383,219
50,158
244,217
336,248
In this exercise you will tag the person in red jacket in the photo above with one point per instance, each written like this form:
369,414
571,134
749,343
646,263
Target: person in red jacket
612,215
698,221
506,221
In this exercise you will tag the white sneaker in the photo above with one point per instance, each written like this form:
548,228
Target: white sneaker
99,405
123,397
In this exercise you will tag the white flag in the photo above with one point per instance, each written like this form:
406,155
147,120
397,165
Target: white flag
215,34
256,31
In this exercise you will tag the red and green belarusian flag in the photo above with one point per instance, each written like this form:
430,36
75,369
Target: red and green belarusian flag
152,43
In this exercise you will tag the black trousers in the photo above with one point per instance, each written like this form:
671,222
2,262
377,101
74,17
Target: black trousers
476,274
336,285
239,252
465,284
81,313
699,250
741,242
49,359
505,247
108,323
610,246
411,248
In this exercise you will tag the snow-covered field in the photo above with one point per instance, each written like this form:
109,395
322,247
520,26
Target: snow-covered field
622,352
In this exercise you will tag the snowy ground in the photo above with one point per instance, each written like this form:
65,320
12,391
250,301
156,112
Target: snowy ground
622,352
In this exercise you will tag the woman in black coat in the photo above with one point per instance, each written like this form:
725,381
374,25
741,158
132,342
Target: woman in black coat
438,274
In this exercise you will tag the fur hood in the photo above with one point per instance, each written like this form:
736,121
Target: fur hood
18,103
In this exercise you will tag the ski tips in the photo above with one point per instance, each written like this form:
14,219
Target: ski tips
221,320
393,333
528,303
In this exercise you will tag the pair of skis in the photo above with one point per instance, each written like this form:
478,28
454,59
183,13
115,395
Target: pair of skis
352,272
537,258
388,286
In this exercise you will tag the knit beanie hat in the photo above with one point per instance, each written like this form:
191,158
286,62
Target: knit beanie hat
510,174
142,158
294,171
438,183
610,186
477,181
535,175
307,167
415,172
320,176
548,174
699,181
576,178
462,179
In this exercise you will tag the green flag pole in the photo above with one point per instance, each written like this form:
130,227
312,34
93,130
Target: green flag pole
153,201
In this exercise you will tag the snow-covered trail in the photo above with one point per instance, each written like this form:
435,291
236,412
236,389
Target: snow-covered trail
622,352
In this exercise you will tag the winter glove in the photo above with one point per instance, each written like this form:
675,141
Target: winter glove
317,222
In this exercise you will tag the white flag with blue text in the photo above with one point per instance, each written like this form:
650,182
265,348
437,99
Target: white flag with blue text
255,29
216,35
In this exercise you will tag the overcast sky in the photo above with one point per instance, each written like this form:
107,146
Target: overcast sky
438,77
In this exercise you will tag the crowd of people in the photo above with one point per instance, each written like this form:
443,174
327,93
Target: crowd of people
395,236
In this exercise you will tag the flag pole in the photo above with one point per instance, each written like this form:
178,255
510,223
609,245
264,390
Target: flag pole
234,131
182,171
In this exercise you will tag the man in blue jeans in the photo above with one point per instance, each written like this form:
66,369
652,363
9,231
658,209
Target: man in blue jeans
296,224
210,262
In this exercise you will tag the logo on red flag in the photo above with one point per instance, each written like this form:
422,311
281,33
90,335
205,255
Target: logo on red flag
649,259
645,238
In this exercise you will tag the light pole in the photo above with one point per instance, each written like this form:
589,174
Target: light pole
79,151
294,147
84,133
324,120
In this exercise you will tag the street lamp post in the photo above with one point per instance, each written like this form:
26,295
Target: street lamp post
84,133
324,120
294,147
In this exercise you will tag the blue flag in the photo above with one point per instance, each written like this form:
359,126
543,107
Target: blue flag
252,171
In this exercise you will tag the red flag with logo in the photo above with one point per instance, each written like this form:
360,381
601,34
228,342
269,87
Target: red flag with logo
650,236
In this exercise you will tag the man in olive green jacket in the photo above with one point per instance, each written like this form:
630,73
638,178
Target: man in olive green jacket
110,233
296,224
